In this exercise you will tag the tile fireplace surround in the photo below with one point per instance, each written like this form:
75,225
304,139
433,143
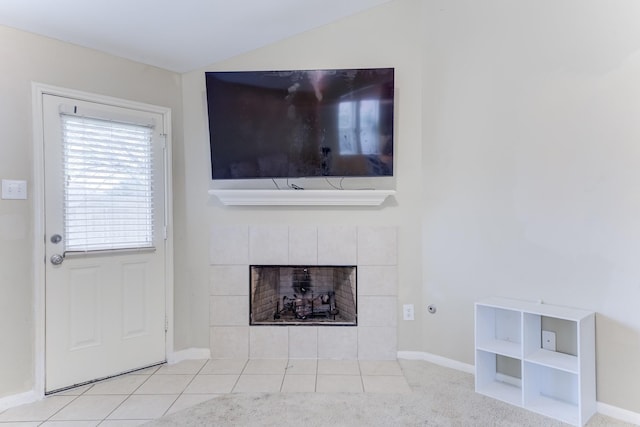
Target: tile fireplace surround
373,250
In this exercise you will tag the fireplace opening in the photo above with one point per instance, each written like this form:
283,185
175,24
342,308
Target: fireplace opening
303,295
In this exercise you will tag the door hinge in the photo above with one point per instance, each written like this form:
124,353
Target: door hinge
165,232
166,324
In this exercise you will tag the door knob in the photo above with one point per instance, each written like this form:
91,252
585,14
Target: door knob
57,259
56,238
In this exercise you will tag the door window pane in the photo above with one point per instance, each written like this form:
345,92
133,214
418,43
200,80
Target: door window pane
108,191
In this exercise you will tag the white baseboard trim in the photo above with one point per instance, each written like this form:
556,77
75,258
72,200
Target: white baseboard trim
601,408
18,399
618,413
438,360
188,354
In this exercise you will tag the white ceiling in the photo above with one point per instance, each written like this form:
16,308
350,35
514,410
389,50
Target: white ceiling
178,35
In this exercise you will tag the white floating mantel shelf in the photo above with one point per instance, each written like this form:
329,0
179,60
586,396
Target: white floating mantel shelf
302,197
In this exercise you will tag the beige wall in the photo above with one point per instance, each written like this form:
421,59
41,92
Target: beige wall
27,58
531,167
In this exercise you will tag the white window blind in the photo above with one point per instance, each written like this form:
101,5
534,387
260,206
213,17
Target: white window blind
108,191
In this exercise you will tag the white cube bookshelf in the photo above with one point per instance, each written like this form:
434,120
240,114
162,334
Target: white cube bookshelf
512,366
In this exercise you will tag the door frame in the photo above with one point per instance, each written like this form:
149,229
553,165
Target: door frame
38,91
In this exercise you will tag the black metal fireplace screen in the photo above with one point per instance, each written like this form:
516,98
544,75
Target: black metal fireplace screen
303,295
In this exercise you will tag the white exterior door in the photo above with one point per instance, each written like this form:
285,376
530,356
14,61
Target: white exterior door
105,236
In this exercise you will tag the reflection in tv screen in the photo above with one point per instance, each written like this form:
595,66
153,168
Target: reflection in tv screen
301,123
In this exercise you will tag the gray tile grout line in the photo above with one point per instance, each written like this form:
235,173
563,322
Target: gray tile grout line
187,386
196,374
130,394
361,376
153,394
85,393
284,374
64,406
246,362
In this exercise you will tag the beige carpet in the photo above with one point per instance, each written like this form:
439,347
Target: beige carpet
439,397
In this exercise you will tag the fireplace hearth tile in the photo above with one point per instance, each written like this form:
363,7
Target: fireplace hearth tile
228,280
377,246
338,343
267,342
377,311
303,245
372,249
229,342
268,245
337,245
377,280
229,245
303,342
377,343
229,311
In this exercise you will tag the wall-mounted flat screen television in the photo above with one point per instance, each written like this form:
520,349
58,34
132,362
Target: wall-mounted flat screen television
301,123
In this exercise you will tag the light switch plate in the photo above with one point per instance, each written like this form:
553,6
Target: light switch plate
14,189
549,340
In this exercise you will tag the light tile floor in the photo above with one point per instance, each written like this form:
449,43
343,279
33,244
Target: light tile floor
138,397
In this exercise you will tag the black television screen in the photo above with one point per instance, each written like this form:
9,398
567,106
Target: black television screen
301,123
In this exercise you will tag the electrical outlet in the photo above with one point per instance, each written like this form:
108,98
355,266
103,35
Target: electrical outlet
549,340
407,311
